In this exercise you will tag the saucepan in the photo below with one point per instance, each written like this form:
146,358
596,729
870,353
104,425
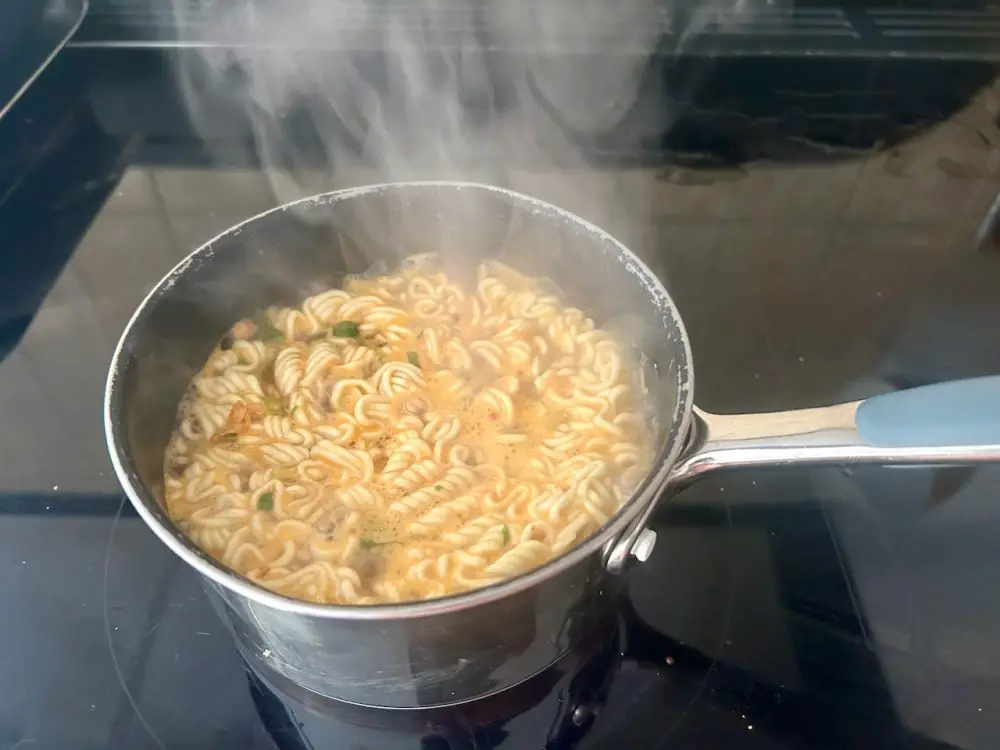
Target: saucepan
464,647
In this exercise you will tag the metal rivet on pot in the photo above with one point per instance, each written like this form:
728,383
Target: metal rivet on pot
644,544
580,714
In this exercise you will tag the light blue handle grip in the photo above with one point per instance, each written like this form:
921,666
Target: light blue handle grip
963,412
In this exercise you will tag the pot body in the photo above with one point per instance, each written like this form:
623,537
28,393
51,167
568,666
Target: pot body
423,653
430,661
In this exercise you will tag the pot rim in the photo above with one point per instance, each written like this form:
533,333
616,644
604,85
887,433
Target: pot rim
647,492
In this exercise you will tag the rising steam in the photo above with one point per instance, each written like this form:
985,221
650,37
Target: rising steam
440,89
451,89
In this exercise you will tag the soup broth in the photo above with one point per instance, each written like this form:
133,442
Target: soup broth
406,437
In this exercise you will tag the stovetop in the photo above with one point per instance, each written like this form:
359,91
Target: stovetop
825,226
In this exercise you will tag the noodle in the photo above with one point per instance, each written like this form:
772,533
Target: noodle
404,439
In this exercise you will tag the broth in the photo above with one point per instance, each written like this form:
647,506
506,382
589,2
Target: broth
406,438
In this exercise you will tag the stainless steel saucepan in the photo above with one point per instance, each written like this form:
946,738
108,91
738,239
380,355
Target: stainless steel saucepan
449,650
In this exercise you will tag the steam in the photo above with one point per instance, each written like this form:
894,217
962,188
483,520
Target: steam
433,89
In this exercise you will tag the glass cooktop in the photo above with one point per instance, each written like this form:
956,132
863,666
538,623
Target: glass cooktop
826,227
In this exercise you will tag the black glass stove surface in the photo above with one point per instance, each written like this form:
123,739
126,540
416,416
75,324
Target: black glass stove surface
823,240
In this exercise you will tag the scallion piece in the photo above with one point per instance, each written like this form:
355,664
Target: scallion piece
346,329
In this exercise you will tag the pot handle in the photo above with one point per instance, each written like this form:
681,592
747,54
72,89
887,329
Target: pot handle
945,423
940,424
961,413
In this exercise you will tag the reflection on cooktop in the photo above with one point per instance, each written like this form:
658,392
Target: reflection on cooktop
556,709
